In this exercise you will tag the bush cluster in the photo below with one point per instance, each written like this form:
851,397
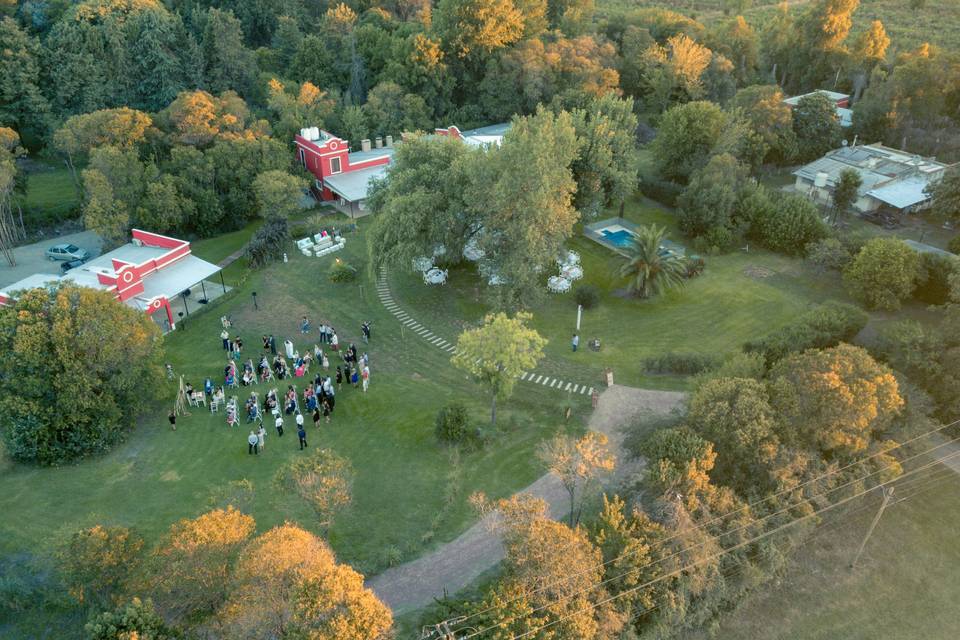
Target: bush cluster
680,363
825,326
341,271
587,296
268,243
451,423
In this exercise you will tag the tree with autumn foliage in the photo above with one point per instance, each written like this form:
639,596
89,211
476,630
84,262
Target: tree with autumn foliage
81,134
96,563
288,584
497,352
322,479
579,464
193,563
834,400
76,368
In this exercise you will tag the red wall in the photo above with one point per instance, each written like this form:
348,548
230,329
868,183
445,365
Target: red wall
317,157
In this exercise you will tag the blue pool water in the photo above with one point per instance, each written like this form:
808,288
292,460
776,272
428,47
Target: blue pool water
619,238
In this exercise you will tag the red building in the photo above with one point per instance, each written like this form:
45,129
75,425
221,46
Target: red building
342,176
148,273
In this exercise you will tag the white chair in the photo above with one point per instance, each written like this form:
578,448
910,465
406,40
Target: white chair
304,244
572,272
558,284
422,264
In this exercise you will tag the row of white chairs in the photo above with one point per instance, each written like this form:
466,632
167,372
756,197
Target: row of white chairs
320,245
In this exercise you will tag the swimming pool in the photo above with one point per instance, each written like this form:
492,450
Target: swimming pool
618,238
619,235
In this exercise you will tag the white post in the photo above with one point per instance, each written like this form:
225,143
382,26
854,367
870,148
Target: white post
579,310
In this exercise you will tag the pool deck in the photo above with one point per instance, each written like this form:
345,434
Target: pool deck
595,231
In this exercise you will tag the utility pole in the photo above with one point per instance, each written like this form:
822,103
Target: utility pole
887,494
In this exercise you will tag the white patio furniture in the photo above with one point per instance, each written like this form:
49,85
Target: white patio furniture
472,250
572,272
305,246
422,264
569,258
435,276
328,244
558,284
439,250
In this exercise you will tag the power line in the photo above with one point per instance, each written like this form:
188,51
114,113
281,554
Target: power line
713,538
717,555
662,542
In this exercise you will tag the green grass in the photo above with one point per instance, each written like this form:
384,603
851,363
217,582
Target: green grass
401,485
51,196
713,314
905,587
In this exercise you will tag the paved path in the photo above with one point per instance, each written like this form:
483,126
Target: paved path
31,259
411,324
458,563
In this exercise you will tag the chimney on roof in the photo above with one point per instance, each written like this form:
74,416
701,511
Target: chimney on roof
365,144
389,141
379,142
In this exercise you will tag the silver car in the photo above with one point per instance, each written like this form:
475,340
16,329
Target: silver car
67,252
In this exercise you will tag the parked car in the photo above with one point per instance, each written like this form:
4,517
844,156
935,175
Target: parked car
67,252
70,264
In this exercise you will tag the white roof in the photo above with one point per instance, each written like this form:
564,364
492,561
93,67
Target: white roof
34,281
902,193
354,185
181,275
832,95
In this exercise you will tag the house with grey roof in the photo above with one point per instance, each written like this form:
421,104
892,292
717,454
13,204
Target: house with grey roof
891,179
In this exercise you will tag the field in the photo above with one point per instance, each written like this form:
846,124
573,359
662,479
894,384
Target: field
409,492
740,296
51,196
905,586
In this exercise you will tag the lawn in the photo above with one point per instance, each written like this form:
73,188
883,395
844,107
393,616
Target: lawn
51,196
905,587
740,296
409,492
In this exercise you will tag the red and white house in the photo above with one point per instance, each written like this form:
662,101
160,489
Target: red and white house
344,177
841,102
146,273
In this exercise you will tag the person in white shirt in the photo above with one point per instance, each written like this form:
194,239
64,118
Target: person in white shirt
279,424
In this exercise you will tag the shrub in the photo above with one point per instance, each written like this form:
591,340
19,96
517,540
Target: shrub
451,423
680,363
829,254
587,296
793,224
825,326
341,271
715,241
933,274
883,274
695,266
268,243
954,245
663,191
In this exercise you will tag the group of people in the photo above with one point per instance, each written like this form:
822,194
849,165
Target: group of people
317,399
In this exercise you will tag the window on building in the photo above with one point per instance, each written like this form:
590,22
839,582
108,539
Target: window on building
319,185
303,158
334,165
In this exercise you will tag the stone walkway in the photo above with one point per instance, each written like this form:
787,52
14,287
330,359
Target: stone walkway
386,298
456,564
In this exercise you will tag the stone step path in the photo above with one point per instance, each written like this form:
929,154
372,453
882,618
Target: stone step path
386,299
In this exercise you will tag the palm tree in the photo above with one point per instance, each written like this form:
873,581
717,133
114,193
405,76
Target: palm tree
652,270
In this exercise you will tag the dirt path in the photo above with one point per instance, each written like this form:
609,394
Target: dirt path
456,564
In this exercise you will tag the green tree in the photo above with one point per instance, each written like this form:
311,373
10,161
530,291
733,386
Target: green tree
523,193
846,192
497,352
712,198
816,126
287,583
279,193
835,399
606,166
736,40
228,64
22,104
675,72
314,63
133,620
422,203
791,225
883,273
652,270
163,208
97,562
419,65
192,564
306,107
103,212
945,195
195,177
763,108
10,233
101,367
687,137
391,111
579,464
198,118
236,163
